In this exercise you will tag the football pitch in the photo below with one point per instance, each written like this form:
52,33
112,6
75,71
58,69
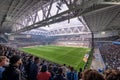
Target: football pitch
72,56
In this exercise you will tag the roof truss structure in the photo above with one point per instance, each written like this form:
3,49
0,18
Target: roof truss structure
22,15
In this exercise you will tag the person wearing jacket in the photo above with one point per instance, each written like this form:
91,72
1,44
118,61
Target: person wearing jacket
12,72
59,76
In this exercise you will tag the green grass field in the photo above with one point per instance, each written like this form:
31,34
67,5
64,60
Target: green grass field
72,56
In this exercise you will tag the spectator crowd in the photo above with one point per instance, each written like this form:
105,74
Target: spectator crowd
111,55
17,65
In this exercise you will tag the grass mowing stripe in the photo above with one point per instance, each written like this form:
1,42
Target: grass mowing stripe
72,58
59,54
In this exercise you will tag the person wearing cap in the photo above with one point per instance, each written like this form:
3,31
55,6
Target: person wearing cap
12,72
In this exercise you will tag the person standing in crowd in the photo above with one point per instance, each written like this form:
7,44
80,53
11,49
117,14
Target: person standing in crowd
2,63
50,69
64,70
80,74
72,75
44,74
91,74
28,66
12,72
59,76
34,68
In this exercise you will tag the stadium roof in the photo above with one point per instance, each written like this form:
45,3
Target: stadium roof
104,19
11,10
99,15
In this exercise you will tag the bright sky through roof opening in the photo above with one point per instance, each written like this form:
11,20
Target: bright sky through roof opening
73,22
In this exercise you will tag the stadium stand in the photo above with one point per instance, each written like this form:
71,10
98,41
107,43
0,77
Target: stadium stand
27,60
110,53
2,40
71,40
95,25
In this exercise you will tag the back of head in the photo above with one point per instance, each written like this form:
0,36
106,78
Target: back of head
64,64
36,59
71,68
92,75
44,68
30,58
60,70
80,69
112,74
14,59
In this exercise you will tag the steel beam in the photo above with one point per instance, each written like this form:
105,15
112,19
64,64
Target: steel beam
60,17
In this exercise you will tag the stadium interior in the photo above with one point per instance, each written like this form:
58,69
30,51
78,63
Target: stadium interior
57,26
